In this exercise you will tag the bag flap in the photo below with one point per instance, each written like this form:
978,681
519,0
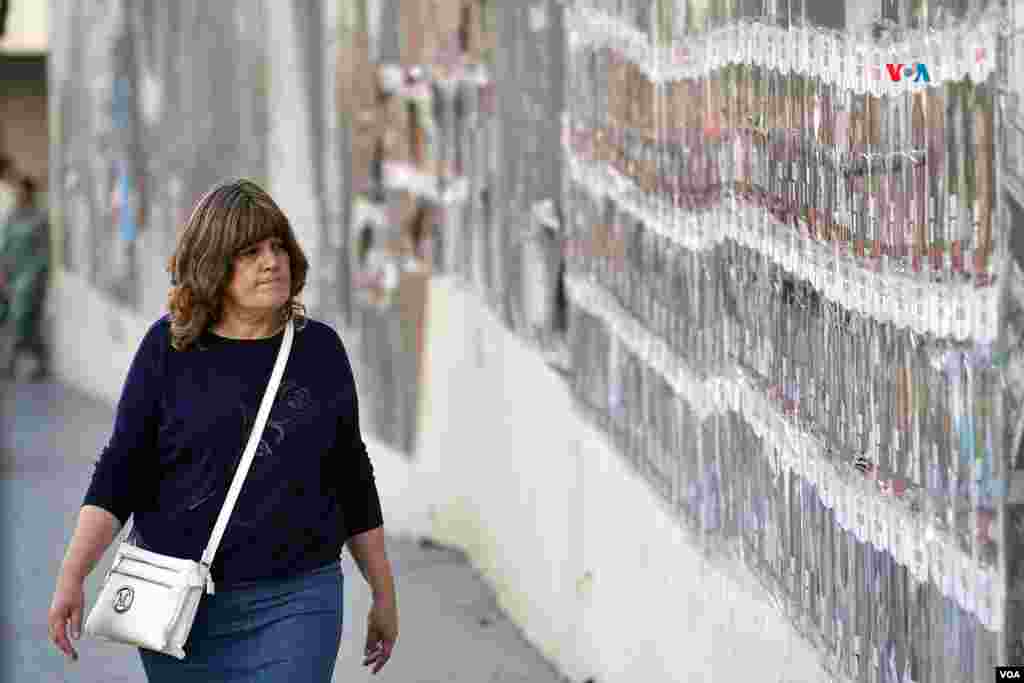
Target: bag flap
151,566
167,562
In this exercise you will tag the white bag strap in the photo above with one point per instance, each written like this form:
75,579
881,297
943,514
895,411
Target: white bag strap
250,448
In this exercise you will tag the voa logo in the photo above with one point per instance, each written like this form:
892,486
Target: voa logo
919,71
1008,675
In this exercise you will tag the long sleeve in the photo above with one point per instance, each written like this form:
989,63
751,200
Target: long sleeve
360,497
123,479
357,487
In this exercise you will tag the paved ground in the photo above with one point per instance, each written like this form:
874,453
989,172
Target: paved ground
451,629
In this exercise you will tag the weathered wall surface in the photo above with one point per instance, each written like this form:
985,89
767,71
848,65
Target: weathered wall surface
151,104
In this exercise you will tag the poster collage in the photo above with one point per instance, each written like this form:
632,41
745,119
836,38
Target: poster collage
456,169
789,268
777,255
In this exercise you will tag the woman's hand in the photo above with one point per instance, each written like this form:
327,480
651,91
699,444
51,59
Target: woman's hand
381,634
94,531
367,549
68,600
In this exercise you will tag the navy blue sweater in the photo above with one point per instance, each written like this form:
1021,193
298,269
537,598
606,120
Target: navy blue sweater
182,423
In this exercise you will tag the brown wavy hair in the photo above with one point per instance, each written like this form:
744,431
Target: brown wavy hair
230,217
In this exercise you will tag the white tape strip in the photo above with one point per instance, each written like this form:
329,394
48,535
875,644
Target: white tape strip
834,58
946,310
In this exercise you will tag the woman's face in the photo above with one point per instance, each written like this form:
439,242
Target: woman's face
261,278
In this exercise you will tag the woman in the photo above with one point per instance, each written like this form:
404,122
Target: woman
24,270
185,412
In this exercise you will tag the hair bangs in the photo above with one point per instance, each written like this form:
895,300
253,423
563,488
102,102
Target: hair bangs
248,223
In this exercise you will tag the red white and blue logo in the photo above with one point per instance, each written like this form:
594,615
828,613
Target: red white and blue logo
919,72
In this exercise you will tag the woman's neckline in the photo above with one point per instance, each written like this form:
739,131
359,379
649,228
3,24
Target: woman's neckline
242,340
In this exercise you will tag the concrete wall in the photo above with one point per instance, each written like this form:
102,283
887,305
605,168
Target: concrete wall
290,138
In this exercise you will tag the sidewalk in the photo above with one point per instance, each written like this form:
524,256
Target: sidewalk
50,436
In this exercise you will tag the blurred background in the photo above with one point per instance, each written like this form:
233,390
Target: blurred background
693,327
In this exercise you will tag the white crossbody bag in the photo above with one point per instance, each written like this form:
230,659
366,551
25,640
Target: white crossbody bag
150,600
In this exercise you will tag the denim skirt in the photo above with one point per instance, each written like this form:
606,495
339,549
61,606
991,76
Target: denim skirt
268,631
